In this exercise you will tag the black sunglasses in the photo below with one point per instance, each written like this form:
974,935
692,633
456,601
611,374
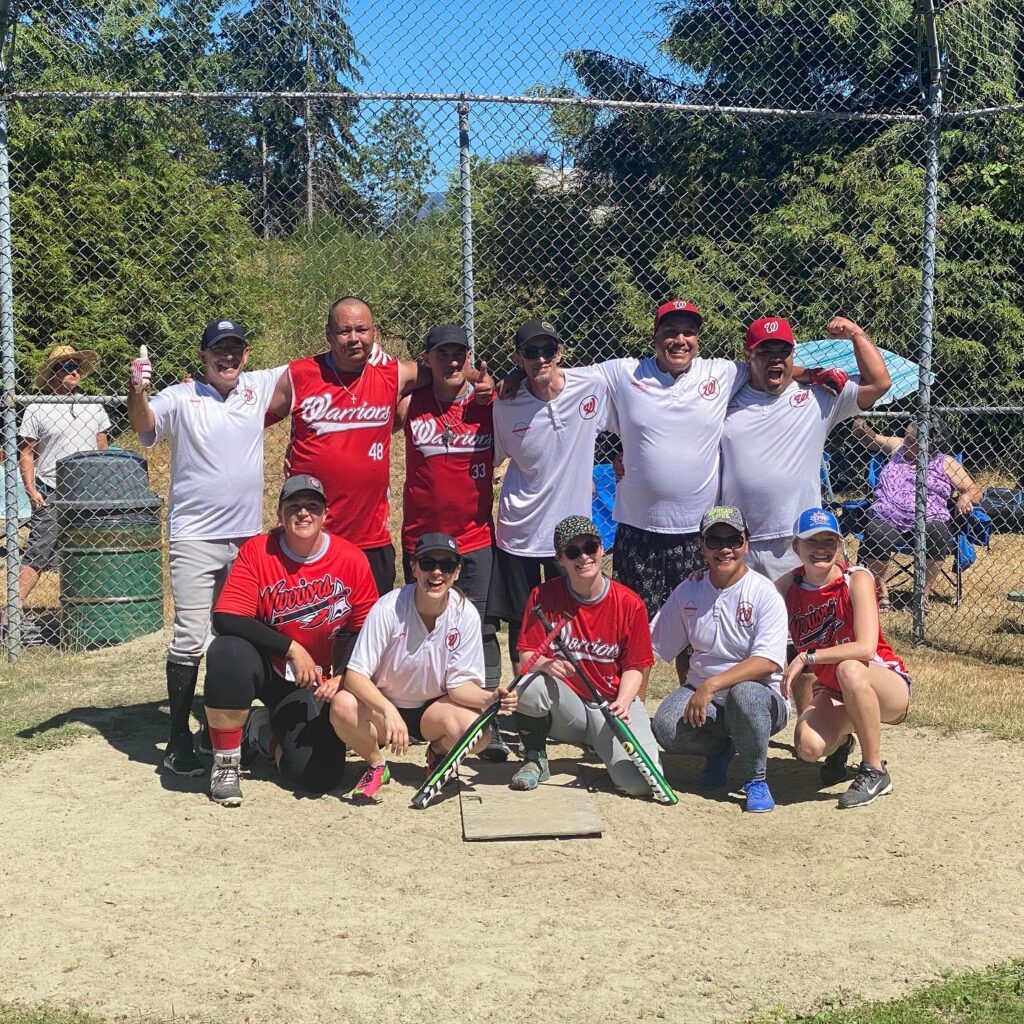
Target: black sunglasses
588,547
532,352
446,565
732,540
69,367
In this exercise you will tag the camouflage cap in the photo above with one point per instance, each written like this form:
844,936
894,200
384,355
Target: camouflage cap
725,515
574,526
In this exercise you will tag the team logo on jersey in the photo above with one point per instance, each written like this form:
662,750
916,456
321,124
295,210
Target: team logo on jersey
312,603
744,614
429,438
592,650
248,396
798,398
588,407
521,430
709,388
324,417
817,626
451,641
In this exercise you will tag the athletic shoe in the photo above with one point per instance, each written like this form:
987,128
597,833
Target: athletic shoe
375,776
496,749
433,758
716,769
202,741
532,773
833,768
759,797
867,786
180,759
254,735
225,782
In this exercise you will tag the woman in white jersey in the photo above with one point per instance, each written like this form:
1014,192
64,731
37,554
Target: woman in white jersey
417,670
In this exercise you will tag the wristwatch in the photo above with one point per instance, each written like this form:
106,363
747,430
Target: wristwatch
809,655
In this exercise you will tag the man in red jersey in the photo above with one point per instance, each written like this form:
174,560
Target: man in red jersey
342,405
449,463
287,621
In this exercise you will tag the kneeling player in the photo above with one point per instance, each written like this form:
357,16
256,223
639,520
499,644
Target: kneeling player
861,683
286,620
607,628
417,669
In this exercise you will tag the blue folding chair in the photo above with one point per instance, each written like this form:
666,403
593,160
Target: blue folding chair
604,502
972,531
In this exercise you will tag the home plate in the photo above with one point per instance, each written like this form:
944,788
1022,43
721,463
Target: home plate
558,808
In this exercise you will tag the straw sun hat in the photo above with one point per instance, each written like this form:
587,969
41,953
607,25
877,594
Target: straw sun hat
85,357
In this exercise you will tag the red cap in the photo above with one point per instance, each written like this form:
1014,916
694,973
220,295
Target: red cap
678,306
768,328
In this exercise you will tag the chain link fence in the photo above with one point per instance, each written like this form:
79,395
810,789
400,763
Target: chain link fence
164,163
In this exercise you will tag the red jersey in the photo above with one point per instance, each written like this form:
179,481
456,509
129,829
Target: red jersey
308,601
449,461
823,617
609,637
341,434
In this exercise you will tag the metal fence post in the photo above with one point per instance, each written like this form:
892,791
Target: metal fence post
927,314
10,411
466,228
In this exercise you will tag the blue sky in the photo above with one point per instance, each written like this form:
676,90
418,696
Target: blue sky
494,48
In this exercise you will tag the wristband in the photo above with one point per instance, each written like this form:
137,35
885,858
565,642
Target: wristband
809,655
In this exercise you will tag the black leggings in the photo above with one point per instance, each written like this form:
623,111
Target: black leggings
312,755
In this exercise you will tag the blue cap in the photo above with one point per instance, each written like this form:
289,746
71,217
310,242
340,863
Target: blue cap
813,521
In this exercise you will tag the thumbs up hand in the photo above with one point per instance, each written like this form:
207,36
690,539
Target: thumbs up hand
141,371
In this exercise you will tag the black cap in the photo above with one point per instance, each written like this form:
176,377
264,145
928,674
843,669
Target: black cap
301,482
446,334
436,542
536,329
218,330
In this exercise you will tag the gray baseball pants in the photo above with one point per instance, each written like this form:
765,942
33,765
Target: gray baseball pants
574,720
198,571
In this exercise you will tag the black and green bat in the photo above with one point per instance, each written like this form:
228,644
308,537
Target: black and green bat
448,768
660,789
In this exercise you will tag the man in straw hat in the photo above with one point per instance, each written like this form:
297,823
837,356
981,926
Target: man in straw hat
50,431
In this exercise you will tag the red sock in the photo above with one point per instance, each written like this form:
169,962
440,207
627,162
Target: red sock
225,741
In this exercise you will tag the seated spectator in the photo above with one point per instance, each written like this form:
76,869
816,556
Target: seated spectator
833,621
606,626
891,515
417,670
286,622
725,629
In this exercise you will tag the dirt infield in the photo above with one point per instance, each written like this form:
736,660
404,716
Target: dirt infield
130,894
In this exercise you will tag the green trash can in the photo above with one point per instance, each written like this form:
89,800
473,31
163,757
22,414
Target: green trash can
111,556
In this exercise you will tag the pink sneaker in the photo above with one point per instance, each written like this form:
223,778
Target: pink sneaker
375,776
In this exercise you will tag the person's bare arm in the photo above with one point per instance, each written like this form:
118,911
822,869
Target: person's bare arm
411,376
27,465
140,415
281,400
874,374
871,438
101,441
967,491
401,412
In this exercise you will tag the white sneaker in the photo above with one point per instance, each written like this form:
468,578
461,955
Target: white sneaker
225,781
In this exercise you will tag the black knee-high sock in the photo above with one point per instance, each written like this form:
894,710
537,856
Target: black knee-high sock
181,688
533,732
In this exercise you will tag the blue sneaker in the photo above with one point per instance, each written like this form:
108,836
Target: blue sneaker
716,769
759,797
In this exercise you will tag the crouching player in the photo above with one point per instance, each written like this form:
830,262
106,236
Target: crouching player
861,683
286,620
607,629
417,669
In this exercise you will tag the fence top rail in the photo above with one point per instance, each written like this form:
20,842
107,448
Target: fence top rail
462,97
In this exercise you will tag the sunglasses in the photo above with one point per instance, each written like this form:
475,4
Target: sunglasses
588,547
732,540
69,367
446,565
532,352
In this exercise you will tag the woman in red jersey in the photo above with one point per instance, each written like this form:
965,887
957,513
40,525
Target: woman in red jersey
861,683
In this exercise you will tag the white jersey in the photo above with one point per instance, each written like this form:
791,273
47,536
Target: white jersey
61,430
671,429
216,455
550,475
411,666
724,627
771,453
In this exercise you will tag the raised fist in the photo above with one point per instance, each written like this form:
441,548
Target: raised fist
841,327
141,371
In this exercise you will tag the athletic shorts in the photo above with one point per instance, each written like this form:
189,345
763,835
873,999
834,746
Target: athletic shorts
881,539
41,549
512,579
772,558
654,564
412,718
382,567
818,688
